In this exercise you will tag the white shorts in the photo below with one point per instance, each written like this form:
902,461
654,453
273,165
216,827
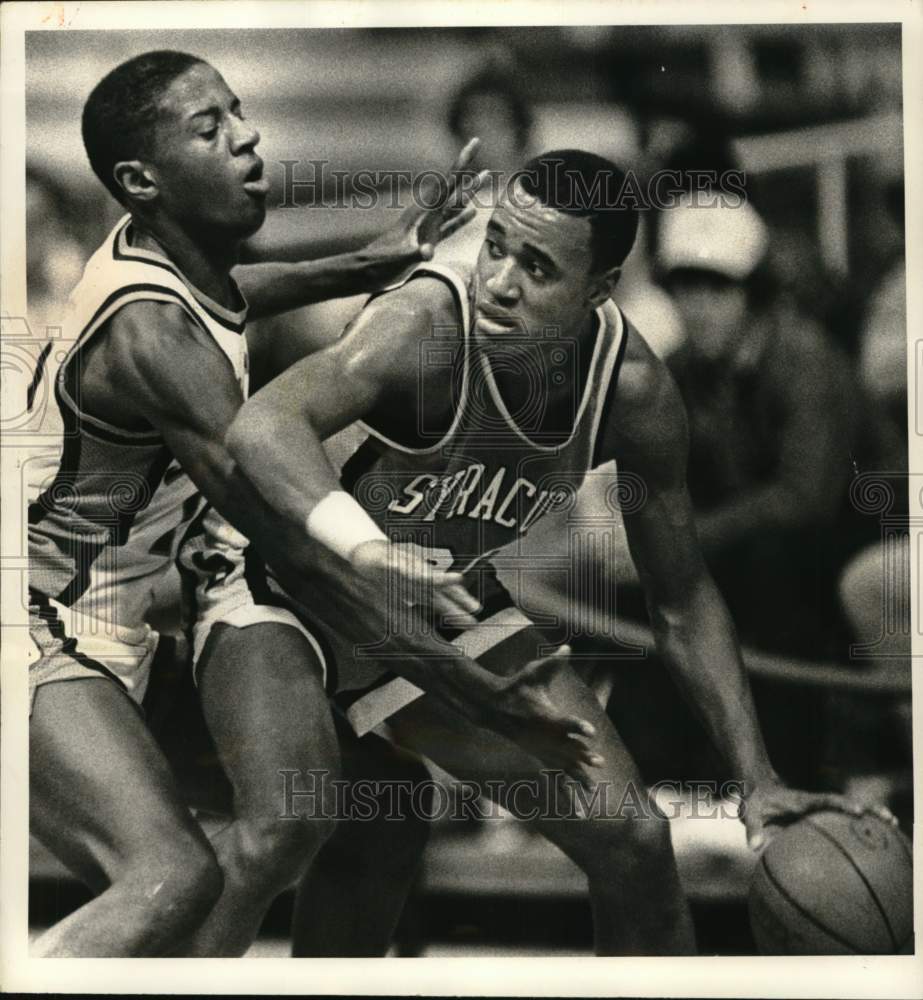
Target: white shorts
73,646
224,584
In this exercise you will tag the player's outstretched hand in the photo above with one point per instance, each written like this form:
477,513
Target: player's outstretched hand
438,208
772,805
413,577
528,716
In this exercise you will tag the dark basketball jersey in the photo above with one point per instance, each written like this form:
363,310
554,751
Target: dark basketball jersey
482,484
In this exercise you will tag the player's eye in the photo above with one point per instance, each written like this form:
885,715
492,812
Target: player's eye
209,132
536,271
493,249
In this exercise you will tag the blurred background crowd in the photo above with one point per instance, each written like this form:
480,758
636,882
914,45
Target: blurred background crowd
782,319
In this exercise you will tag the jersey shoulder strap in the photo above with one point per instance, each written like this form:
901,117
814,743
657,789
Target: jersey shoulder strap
455,275
115,276
617,330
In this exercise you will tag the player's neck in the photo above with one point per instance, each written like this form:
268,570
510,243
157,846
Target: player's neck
204,264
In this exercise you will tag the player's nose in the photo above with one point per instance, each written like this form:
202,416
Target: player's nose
245,135
502,283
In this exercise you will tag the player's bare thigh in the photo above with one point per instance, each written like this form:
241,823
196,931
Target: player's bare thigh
472,753
101,794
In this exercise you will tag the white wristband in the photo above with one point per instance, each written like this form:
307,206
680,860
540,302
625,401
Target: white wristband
342,525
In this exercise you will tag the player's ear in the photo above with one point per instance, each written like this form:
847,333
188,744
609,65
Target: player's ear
602,285
136,180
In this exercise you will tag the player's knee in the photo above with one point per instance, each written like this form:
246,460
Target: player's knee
180,885
204,881
641,842
277,850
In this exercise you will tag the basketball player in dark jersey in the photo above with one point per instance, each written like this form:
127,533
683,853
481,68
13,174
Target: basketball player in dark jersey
157,372
464,453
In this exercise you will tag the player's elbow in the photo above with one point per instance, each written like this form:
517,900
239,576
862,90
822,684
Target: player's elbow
248,433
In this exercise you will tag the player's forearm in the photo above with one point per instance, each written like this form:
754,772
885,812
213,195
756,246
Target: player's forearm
454,680
278,286
698,644
284,458
383,625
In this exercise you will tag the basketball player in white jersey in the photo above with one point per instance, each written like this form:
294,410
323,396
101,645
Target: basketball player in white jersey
158,371
464,453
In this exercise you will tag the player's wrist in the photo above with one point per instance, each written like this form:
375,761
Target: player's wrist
761,777
340,524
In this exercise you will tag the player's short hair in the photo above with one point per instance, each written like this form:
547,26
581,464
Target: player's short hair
591,187
122,108
491,82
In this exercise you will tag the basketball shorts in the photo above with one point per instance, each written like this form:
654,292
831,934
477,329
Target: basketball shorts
228,583
224,582
72,645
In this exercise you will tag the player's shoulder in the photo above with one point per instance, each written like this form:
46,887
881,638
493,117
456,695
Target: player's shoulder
150,320
148,329
431,292
644,378
648,418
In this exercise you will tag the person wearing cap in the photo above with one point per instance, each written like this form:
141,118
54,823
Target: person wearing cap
771,423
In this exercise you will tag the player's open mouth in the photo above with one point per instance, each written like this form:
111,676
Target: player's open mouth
255,183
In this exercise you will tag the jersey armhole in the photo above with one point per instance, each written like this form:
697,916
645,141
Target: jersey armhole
421,272
66,376
609,401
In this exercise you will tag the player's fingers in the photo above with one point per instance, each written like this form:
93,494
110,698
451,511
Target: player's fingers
580,774
576,728
459,173
762,837
464,158
461,597
459,198
756,837
456,223
546,667
454,613
453,584
752,820
883,813
837,802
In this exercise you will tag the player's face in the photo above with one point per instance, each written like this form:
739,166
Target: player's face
208,174
534,271
713,310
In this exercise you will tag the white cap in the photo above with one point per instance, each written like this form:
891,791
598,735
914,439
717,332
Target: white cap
715,237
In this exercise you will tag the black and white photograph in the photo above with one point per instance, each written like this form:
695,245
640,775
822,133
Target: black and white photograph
461,493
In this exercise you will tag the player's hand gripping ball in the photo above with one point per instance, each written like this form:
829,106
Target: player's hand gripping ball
833,883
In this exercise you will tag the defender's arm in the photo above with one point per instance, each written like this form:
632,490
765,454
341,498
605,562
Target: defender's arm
271,288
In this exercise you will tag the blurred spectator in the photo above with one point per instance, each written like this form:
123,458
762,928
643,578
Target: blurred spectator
771,427
871,583
54,254
491,106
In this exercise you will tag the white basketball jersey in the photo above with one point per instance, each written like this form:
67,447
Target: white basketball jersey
112,504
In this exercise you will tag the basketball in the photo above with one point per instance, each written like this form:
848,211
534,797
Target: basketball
834,884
